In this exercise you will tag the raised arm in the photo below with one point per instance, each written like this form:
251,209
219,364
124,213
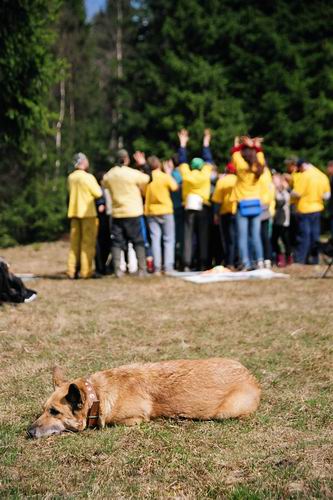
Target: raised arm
206,151
182,151
140,160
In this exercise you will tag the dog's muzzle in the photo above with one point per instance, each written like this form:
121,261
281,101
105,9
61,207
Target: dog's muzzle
36,431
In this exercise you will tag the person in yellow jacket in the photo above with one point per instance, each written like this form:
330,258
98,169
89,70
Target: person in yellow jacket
125,185
160,218
267,198
83,191
196,200
223,198
249,162
311,189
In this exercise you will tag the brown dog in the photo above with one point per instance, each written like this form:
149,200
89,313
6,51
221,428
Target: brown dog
207,389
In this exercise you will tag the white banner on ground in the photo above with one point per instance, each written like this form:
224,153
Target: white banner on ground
201,278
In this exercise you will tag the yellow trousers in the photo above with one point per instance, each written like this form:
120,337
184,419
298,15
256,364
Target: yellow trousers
83,234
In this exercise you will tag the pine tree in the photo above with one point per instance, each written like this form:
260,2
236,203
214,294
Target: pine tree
177,79
115,36
79,97
278,57
262,68
28,69
52,108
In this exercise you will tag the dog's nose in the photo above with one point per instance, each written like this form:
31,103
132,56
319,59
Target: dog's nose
31,432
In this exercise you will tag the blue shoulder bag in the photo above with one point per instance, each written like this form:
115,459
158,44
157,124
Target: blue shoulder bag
249,208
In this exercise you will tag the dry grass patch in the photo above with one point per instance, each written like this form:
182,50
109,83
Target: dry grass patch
279,329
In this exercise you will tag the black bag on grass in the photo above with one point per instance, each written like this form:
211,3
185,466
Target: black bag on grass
12,288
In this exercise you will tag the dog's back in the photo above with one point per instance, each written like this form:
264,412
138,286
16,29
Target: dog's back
185,388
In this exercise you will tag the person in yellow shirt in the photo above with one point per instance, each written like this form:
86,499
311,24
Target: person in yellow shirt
227,206
196,200
160,218
311,189
249,162
83,191
126,186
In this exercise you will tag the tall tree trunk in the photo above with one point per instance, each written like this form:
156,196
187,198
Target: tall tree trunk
59,126
116,141
71,111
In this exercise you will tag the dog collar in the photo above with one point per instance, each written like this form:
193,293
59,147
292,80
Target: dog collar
93,404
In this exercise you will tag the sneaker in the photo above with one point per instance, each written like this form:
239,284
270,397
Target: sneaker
170,270
96,276
281,260
31,295
142,274
290,260
73,276
118,273
187,269
150,264
231,268
267,264
244,268
260,264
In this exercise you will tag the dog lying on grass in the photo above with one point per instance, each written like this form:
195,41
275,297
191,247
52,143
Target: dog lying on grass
206,389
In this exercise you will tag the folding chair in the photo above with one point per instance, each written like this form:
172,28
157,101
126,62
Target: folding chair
327,250
329,265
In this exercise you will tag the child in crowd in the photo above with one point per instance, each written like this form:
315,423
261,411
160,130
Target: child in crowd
160,218
281,222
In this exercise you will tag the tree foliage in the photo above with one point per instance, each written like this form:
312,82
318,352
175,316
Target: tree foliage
246,66
27,68
45,47
141,70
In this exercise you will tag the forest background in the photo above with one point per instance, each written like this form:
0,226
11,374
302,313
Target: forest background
136,73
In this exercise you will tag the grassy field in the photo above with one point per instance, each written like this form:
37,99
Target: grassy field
281,330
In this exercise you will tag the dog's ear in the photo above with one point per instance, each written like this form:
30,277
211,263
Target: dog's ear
74,397
58,376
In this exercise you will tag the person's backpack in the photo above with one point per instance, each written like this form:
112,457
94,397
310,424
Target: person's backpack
12,288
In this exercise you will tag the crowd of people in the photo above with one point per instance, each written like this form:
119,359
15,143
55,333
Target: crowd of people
183,214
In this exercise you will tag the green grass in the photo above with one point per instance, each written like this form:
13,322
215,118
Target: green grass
281,330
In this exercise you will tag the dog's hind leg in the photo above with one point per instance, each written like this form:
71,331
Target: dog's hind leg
240,402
